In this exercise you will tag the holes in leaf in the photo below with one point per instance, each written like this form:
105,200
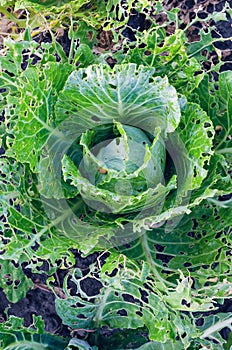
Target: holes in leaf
72,288
82,316
112,86
225,333
164,258
205,267
205,154
36,246
144,295
207,125
187,264
113,273
17,283
195,224
225,197
218,235
9,282
84,75
127,245
159,247
122,312
206,164
214,265
131,299
200,322
139,313
191,234
91,286
77,305
16,264
209,134
185,303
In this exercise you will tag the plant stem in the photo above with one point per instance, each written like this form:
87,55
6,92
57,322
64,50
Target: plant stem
152,264
216,327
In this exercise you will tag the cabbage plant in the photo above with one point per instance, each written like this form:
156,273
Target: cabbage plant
132,153
122,159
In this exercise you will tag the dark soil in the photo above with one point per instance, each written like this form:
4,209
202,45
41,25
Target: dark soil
41,300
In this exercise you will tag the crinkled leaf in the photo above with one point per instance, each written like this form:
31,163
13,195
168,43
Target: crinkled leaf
34,110
24,222
124,301
168,55
199,245
15,336
13,281
51,185
98,95
213,324
195,134
215,98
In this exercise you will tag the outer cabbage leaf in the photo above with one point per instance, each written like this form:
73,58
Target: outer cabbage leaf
127,298
24,221
168,55
98,95
194,138
37,91
199,246
211,337
215,98
15,336
13,281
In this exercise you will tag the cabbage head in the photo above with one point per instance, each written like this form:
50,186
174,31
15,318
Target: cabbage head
128,155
